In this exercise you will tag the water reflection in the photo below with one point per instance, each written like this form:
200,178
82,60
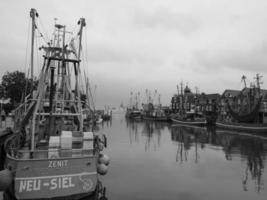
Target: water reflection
161,161
252,151
150,131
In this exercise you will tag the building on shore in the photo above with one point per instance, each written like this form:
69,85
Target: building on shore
193,102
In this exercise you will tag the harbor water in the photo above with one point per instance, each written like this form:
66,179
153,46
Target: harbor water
163,161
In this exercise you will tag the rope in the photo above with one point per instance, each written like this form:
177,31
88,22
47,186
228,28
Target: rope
86,51
41,35
73,31
27,47
45,32
37,55
87,68
25,62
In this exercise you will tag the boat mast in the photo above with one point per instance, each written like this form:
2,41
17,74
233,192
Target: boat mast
182,98
82,25
243,78
258,82
177,86
33,14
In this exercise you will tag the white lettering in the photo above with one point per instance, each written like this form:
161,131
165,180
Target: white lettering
65,182
37,185
71,184
53,184
58,183
22,186
57,163
29,185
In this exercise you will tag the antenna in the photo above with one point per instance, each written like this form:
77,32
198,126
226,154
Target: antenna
196,88
243,79
177,86
258,82
182,87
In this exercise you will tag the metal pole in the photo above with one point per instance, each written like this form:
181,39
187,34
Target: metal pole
82,24
32,14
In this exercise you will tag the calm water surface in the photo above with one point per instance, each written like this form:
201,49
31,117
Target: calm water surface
161,161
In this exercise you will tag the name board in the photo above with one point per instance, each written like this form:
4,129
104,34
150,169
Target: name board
57,163
52,184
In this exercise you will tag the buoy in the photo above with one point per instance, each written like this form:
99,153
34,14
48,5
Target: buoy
101,146
103,159
5,179
102,169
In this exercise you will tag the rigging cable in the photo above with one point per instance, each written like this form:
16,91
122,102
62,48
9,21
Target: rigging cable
73,31
37,54
87,62
25,63
41,35
43,27
27,47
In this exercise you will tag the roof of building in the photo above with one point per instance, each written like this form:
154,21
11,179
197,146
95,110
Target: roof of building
187,90
230,93
204,97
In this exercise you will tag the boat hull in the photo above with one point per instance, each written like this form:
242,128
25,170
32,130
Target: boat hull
251,128
60,178
162,119
190,123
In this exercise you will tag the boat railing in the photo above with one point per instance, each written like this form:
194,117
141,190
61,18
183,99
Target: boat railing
50,153
57,101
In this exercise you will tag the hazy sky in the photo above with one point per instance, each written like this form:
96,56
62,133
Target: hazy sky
134,45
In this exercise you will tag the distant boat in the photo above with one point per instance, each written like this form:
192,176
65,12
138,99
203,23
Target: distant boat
253,128
193,121
249,115
185,111
244,121
154,113
107,114
133,113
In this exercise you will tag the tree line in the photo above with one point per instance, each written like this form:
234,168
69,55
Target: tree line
15,85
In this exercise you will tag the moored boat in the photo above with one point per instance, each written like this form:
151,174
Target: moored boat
195,122
51,153
245,112
133,113
155,111
246,127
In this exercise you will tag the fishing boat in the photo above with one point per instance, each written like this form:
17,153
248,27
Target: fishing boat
184,108
154,113
153,109
133,111
51,153
253,128
106,114
187,120
247,113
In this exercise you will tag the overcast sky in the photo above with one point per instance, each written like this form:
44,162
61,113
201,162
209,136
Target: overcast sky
134,45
